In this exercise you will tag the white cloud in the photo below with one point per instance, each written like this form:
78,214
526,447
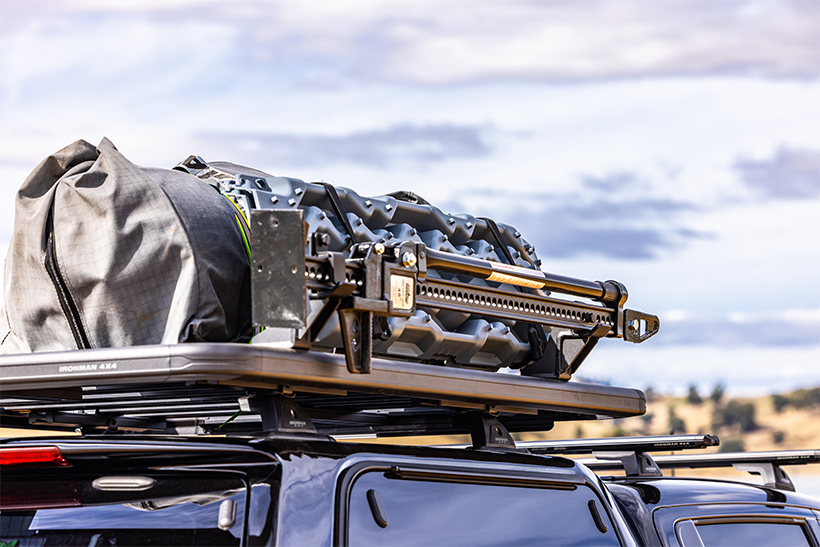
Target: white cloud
433,43
674,316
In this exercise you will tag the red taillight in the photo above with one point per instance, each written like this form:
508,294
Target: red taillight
32,456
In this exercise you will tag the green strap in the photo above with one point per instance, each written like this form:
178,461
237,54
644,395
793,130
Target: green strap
244,227
244,239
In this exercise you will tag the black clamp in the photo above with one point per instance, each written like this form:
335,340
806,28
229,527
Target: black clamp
486,431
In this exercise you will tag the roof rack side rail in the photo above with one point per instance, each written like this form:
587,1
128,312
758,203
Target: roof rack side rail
658,443
766,464
630,453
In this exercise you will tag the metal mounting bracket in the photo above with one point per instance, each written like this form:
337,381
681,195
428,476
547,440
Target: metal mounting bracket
639,326
636,464
281,415
485,430
773,475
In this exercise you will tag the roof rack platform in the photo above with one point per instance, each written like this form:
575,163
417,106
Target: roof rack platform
205,388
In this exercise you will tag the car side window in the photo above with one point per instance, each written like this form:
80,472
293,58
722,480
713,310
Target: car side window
744,532
401,511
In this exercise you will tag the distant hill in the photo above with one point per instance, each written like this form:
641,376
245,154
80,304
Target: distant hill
787,421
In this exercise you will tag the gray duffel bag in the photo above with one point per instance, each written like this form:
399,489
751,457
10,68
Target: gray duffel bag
105,253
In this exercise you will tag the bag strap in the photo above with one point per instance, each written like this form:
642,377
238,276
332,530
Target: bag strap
497,236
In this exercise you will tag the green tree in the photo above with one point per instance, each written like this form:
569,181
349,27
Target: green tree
717,393
732,445
805,397
736,413
694,397
780,402
676,425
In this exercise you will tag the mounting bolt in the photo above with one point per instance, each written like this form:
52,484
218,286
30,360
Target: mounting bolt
291,202
298,191
388,207
368,204
489,327
378,248
408,259
451,220
635,325
274,199
427,318
517,234
469,225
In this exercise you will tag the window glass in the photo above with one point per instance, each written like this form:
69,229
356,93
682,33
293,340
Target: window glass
428,512
752,534
190,517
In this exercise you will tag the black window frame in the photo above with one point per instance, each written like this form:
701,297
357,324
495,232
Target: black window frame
751,519
666,519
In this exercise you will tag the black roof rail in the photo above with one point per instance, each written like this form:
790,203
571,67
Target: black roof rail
766,464
631,453
657,443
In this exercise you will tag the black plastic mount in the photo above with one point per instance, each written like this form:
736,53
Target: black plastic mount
280,415
486,432
381,280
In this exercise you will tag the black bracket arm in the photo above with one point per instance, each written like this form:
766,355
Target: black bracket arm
485,430
280,415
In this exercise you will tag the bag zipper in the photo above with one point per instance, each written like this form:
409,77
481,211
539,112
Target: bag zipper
63,295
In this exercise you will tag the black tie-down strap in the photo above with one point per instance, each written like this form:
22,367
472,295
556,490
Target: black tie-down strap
337,209
535,333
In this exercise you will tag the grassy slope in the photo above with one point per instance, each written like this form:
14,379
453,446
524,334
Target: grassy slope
800,428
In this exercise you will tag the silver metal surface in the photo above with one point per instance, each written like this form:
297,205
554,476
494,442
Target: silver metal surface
271,368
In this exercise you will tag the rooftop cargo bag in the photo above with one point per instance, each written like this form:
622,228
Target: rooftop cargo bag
105,253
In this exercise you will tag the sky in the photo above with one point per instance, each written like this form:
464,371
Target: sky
671,145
